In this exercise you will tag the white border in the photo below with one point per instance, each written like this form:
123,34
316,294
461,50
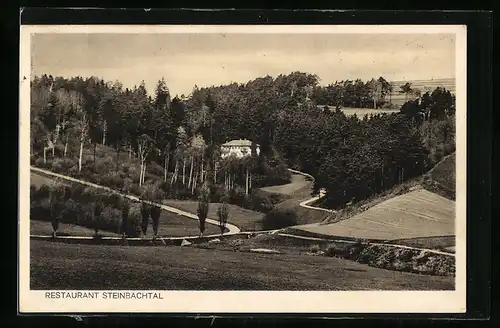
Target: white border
253,301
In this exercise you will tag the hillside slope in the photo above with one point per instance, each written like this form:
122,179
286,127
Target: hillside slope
422,208
442,178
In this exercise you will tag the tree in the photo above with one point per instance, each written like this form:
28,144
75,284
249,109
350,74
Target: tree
155,218
97,209
125,216
83,127
180,153
144,145
202,210
145,212
223,214
55,198
406,89
152,193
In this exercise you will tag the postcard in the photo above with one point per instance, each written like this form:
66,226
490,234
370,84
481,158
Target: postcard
242,169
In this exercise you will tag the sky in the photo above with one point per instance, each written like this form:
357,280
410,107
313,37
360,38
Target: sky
189,59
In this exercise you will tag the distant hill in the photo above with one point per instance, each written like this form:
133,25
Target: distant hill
398,99
428,85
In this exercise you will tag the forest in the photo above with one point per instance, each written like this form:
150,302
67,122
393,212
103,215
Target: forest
129,138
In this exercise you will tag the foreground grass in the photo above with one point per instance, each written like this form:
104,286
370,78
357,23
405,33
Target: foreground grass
68,266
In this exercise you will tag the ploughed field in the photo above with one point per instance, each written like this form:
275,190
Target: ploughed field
417,214
67,266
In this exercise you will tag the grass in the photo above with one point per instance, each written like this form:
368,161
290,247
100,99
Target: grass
298,182
441,242
304,215
441,178
246,220
45,228
418,213
360,112
174,225
97,267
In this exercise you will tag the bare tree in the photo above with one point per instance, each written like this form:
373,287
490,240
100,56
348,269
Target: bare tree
83,128
144,144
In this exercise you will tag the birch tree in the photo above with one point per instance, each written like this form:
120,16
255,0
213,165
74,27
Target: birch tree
83,130
144,145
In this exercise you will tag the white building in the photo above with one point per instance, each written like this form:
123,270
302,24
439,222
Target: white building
240,148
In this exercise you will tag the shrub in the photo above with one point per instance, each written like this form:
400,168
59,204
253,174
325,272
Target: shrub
154,169
133,226
155,212
127,185
125,206
39,163
111,219
314,249
223,213
202,212
135,189
278,219
145,211
261,203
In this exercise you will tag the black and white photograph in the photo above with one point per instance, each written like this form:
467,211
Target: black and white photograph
242,168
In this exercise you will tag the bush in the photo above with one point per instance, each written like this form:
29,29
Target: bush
278,219
261,203
154,169
39,162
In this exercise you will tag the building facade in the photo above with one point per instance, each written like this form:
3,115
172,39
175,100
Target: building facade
239,148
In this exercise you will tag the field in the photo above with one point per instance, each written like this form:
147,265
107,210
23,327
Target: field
419,213
95,267
360,112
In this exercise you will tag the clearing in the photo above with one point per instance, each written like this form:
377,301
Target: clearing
187,268
419,213
360,112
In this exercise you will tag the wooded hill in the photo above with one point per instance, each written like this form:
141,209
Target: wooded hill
349,156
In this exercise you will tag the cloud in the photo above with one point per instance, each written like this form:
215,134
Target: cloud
186,60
